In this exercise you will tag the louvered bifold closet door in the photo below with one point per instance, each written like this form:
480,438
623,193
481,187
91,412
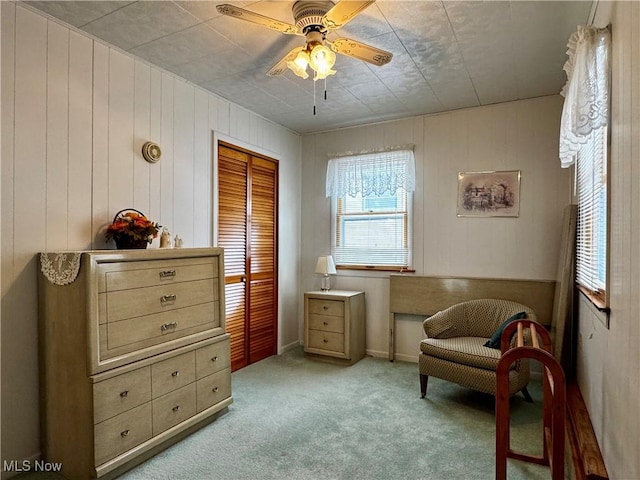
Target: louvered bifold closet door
232,236
263,320
247,230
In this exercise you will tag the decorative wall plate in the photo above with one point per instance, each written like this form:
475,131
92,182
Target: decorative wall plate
151,152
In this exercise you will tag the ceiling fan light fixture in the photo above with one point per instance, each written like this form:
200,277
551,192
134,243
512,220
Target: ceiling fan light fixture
299,64
322,60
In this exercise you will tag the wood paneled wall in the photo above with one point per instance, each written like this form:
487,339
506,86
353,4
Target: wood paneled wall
519,135
75,114
608,359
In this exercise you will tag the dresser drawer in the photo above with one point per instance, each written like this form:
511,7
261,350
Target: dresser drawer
326,323
140,332
147,274
212,358
173,373
213,389
173,408
137,302
119,394
330,341
121,433
334,308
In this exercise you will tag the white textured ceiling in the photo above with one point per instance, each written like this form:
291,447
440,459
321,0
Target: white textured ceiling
446,54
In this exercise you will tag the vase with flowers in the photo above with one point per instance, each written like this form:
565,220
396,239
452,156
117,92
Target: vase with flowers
131,229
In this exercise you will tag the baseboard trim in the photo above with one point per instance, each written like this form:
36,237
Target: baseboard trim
398,356
291,346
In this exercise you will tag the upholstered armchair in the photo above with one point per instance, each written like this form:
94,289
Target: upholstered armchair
455,350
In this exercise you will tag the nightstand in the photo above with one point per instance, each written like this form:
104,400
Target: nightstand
334,326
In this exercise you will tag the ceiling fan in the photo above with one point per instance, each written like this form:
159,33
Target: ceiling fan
314,20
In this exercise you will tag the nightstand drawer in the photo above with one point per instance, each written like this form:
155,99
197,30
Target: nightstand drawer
173,408
326,323
122,433
333,342
119,394
334,308
173,373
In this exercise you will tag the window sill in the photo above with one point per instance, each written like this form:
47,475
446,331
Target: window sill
375,268
595,299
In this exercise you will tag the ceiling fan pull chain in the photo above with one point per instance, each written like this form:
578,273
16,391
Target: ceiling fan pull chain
314,97
325,89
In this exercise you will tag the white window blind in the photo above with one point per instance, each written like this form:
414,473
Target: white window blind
583,141
591,251
372,208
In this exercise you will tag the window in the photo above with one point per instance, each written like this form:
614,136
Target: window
371,203
591,249
583,141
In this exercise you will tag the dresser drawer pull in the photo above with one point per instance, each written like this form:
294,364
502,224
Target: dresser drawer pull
124,394
175,374
167,273
168,298
124,433
325,340
214,389
167,326
214,359
326,324
176,408
325,308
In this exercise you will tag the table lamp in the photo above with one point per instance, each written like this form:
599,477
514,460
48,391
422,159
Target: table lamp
326,267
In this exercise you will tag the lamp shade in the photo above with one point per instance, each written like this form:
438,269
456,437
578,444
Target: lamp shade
322,60
325,265
299,64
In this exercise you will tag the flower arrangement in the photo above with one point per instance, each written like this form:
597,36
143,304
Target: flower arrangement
131,229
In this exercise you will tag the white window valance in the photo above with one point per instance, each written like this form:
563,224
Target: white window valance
371,174
586,104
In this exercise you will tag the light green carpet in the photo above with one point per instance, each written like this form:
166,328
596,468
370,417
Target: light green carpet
299,419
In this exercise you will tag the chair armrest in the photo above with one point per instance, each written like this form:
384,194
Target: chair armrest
447,323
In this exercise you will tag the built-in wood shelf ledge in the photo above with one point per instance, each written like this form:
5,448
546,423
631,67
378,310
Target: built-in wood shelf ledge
588,463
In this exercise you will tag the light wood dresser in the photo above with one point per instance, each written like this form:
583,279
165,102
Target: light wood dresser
334,325
133,355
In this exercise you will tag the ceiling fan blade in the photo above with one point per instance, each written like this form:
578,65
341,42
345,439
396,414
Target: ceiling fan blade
256,18
343,12
361,51
281,67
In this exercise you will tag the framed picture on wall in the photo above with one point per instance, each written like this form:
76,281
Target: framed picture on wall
489,194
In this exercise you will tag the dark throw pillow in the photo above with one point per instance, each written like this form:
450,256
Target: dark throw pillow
494,341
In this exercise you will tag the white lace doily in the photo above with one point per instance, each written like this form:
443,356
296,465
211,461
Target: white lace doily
60,268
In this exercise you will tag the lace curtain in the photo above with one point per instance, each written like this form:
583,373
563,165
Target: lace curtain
586,104
372,174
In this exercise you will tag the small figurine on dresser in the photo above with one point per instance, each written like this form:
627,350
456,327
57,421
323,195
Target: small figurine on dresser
165,238
177,242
